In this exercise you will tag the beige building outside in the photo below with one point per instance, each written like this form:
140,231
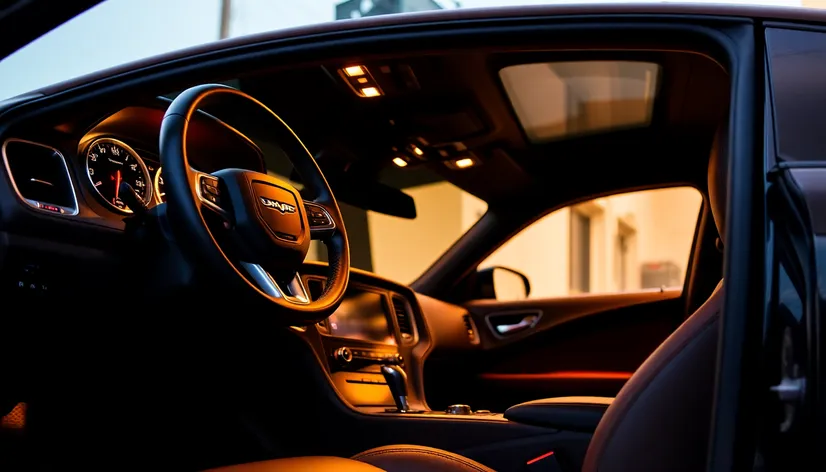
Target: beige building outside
626,242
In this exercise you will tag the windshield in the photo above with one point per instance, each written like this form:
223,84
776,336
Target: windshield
120,31
400,249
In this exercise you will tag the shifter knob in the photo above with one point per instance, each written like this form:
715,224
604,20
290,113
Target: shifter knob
397,381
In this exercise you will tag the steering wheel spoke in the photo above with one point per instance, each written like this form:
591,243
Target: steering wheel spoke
292,290
322,224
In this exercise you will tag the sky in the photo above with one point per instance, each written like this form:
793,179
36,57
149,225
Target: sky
119,31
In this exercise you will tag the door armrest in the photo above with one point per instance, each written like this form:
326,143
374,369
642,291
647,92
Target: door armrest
566,413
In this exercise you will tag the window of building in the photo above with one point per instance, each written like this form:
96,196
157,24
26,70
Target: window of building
580,254
627,242
625,252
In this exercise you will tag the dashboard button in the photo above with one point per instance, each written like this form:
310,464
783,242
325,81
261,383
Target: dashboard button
343,355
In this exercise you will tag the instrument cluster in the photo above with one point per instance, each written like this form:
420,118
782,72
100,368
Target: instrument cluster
109,162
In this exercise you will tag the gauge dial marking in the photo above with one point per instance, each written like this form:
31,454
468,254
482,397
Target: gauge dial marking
125,165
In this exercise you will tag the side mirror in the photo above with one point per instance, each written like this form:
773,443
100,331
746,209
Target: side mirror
502,284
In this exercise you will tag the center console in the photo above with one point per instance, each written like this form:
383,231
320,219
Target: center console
358,339
372,350
369,346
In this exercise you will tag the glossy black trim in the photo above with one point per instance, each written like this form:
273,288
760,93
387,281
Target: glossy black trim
734,415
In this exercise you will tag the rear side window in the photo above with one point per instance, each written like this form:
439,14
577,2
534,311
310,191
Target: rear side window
622,243
797,68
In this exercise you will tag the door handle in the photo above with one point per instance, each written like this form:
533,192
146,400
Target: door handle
526,323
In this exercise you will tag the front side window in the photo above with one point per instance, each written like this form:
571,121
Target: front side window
628,242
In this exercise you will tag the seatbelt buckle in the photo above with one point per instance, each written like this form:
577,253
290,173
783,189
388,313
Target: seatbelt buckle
545,463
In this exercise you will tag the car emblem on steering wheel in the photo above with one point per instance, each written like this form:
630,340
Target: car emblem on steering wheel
276,205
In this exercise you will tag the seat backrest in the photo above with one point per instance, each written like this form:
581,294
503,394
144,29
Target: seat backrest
660,420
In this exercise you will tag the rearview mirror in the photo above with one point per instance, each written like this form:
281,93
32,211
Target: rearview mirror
502,284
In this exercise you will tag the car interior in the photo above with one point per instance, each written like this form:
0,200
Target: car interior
156,220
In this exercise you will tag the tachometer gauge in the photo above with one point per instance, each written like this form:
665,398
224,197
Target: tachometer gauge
110,162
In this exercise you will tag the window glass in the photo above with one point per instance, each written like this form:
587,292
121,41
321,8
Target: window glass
562,99
401,249
797,61
627,242
76,47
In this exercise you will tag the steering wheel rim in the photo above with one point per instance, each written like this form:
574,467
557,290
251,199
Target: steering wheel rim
259,210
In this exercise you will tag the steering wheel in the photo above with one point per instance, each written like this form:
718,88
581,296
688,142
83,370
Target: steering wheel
267,222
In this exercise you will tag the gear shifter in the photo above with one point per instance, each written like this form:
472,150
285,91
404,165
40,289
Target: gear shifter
397,381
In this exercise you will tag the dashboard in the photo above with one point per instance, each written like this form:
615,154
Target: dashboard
75,170
70,177
123,147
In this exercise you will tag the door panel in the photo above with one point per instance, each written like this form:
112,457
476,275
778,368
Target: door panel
583,345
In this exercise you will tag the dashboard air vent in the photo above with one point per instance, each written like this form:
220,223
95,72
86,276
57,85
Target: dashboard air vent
471,329
40,176
404,318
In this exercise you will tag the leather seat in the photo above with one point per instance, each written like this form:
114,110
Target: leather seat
397,458
659,421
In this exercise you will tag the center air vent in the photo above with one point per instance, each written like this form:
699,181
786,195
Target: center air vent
470,326
404,318
40,177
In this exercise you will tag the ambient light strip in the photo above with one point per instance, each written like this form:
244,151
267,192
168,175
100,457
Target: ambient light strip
561,375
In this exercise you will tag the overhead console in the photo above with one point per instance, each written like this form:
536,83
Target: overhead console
432,126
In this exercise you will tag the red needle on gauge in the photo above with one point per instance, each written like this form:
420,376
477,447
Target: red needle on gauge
117,186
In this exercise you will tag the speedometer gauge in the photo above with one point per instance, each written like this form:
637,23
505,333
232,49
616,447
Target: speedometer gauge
110,162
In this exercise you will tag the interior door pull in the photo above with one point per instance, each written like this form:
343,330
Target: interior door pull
526,323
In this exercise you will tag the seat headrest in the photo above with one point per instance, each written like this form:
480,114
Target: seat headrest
718,180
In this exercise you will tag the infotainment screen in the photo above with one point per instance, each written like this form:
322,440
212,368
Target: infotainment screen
362,315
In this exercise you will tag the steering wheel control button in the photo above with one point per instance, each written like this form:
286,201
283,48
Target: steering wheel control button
213,199
318,217
209,192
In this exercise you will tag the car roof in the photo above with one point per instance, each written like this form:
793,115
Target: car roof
465,14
